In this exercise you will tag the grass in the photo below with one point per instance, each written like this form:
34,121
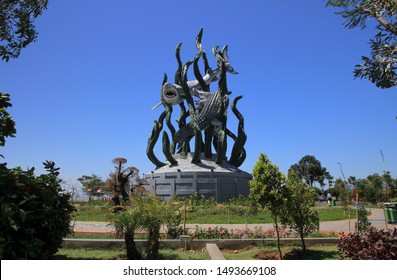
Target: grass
104,236
324,252
93,213
210,215
166,253
335,214
91,236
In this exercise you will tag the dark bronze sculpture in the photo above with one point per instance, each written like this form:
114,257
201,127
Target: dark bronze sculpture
207,115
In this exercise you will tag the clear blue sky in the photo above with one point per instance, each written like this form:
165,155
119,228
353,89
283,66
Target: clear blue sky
82,94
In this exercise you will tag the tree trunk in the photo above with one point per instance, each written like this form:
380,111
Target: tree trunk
303,242
132,251
278,238
124,193
116,202
152,250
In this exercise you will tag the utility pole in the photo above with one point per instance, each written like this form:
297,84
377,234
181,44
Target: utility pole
343,175
344,180
384,172
386,189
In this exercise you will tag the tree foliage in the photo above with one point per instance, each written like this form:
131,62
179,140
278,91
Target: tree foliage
267,188
35,213
130,221
17,28
380,68
343,193
299,213
93,185
310,170
375,187
7,124
146,212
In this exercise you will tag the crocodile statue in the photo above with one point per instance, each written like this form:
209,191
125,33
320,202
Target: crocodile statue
210,109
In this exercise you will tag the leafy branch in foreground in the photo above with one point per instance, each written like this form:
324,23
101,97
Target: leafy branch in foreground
381,67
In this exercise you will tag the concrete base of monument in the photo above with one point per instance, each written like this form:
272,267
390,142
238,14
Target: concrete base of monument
205,178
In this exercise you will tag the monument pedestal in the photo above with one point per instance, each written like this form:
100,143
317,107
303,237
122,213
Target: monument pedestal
205,178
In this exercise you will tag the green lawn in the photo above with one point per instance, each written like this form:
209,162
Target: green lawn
325,252
211,215
120,254
93,213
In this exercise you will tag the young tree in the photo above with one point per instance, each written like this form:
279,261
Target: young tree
16,25
155,214
267,188
299,213
118,179
129,221
381,67
147,212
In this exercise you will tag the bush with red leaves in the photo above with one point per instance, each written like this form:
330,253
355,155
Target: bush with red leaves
373,245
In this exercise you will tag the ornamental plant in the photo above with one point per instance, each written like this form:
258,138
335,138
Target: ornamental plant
144,212
211,233
373,245
220,232
35,213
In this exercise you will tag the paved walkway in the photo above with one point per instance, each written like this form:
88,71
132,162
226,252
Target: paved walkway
377,220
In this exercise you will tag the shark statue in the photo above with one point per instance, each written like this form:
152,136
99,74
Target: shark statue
173,93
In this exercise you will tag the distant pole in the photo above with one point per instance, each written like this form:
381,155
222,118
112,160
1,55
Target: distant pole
384,171
344,180
343,175
357,208
184,217
349,221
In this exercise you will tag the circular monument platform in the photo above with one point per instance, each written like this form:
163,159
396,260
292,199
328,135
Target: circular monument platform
205,178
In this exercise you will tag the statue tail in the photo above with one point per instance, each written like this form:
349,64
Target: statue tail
183,134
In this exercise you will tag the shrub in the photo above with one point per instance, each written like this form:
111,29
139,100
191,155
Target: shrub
174,218
211,233
35,213
128,221
145,212
224,233
363,223
374,245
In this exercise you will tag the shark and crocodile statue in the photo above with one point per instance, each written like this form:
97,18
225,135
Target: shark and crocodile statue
208,103
174,94
209,114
